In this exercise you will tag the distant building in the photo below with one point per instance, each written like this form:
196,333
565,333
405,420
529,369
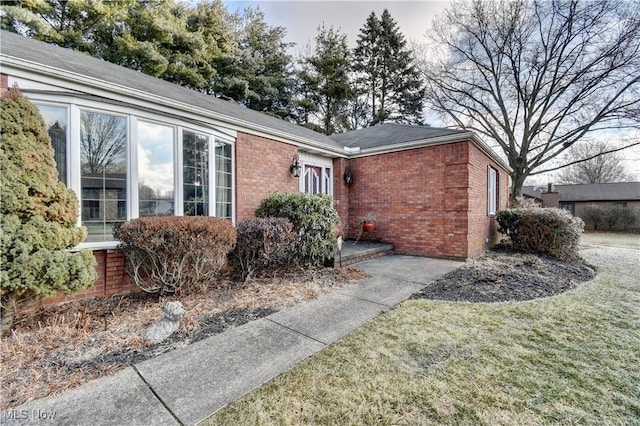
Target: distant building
574,198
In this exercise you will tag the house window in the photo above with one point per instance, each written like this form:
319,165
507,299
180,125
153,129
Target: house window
317,179
55,119
224,179
195,173
312,179
492,191
126,163
103,173
155,169
570,207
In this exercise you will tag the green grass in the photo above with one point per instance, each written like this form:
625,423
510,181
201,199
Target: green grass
569,359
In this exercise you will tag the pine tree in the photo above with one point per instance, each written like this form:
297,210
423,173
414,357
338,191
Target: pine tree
39,214
259,76
326,80
386,79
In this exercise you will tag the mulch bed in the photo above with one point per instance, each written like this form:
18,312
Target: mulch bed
62,347
501,276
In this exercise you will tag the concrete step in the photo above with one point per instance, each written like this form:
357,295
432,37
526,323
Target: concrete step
354,252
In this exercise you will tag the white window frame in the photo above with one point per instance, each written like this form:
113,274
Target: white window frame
75,105
324,163
492,191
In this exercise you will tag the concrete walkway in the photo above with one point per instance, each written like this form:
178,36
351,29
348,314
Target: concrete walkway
189,384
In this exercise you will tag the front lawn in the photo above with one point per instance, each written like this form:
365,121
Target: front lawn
569,359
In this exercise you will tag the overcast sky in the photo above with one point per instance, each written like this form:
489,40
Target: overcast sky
302,18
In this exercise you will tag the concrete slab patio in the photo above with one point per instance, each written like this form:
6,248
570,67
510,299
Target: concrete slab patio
187,385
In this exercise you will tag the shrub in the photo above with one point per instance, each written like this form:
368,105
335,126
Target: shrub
542,230
601,216
314,221
38,215
629,217
263,244
172,254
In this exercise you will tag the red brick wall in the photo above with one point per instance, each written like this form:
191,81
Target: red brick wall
428,201
112,279
262,167
4,83
418,197
341,192
481,225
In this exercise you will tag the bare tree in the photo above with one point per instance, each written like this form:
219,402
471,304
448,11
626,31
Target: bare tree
537,77
590,164
103,140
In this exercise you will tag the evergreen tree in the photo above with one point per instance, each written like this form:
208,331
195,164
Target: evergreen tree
153,37
39,214
386,79
259,76
65,23
326,79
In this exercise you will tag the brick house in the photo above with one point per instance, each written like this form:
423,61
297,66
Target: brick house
576,197
172,150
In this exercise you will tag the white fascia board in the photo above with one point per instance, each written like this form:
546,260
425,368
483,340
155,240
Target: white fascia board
79,82
442,140
420,143
490,152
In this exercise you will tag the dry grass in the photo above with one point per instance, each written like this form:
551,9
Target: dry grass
62,347
569,359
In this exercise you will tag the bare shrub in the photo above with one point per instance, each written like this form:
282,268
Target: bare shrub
172,254
263,244
542,230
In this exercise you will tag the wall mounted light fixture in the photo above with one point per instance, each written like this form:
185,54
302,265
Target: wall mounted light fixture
348,176
294,168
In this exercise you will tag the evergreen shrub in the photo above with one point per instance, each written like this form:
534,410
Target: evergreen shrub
173,254
39,215
263,244
550,231
314,220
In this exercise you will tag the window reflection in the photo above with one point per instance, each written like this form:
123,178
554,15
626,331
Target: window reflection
55,118
195,158
223,180
155,169
103,140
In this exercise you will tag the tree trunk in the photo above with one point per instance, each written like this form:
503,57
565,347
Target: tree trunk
517,181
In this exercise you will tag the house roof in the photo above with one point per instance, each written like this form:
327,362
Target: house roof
70,65
389,137
386,134
90,76
625,191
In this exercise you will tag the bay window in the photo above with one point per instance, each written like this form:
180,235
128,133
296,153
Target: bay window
124,163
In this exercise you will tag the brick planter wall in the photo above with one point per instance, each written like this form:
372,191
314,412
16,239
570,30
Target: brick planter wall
112,279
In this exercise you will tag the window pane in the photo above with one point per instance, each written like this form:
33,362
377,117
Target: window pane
103,156
55,118
224,180
155,169
195,158
491,191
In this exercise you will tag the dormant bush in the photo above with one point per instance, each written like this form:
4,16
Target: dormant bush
173,254
542,230
263,244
